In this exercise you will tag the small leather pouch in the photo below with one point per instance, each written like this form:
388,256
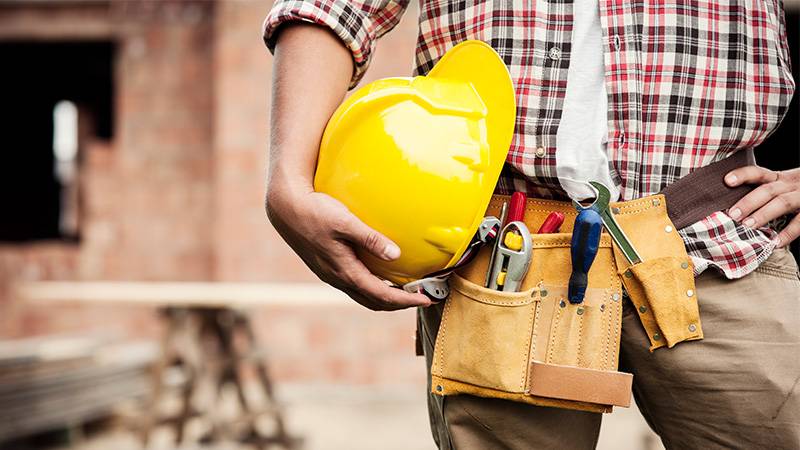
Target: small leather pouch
661,287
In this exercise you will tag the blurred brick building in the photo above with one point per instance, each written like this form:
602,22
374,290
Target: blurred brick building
172,100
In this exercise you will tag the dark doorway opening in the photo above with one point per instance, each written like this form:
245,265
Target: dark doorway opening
39,183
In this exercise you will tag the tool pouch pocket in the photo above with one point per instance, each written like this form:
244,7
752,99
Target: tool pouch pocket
662,286
534,346
484,337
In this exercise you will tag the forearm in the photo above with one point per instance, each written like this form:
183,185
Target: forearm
311,72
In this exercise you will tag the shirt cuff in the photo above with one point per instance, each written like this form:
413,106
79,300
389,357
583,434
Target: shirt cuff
352,25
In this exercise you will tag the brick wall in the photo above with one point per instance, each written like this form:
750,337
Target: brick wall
177,194
246,248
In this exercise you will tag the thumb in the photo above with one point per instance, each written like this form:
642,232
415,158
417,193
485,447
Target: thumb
372,241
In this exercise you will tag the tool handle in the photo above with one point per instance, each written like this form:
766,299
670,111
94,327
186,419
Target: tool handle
585,242
552,223
512,259
516,210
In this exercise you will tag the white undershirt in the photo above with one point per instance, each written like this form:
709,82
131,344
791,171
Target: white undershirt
583,132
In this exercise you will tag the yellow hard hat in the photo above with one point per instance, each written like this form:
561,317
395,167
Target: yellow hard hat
417,159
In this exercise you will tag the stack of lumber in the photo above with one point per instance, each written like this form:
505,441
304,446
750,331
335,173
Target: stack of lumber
55,382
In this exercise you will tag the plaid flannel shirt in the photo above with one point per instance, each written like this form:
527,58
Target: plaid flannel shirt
689,83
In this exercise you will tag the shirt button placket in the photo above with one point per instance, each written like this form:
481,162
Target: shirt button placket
540,152
554,53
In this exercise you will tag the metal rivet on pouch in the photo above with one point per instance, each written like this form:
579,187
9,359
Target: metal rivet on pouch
615,297
562,303
643,309
579,311
439,388
543,293
656,202
615,210
689,293
668,228
692,328
656,337
628,274
684,265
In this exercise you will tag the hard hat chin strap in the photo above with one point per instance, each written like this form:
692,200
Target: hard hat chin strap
435,288
434,285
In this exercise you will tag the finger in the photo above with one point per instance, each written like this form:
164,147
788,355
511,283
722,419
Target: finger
363,300
376,289
778,206
357,232
333,277
371,304
750,175
355,275
375,304
790,233
757,198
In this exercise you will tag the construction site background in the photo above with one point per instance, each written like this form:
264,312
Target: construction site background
173,190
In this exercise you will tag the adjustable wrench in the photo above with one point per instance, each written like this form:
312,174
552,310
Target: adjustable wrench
617,234
586,238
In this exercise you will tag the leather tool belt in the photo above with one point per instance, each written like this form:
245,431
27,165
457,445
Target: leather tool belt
534,346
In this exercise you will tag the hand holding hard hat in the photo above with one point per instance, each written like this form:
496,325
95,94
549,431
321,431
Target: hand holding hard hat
417,159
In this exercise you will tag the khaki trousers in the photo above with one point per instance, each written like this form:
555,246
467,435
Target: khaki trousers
737,388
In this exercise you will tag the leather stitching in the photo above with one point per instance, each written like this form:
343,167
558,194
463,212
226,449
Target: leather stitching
553,333
527,355
535,334
607,319
580,337
441,337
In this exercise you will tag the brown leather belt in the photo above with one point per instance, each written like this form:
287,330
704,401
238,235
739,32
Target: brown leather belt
703,192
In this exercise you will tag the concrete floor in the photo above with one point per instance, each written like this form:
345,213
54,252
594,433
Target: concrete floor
369,418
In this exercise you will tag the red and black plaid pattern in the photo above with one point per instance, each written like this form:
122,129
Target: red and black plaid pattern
689,83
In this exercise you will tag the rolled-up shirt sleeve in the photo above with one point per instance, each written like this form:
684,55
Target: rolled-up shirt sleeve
357,23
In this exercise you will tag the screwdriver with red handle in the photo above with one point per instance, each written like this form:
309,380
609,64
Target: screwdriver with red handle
552,223
516,210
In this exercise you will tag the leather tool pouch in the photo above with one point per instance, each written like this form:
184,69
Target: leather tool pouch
534,346
661,287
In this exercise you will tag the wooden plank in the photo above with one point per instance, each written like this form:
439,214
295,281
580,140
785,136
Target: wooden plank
19,354
73,379
40,359
190,294
56,381
60,411
48,21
